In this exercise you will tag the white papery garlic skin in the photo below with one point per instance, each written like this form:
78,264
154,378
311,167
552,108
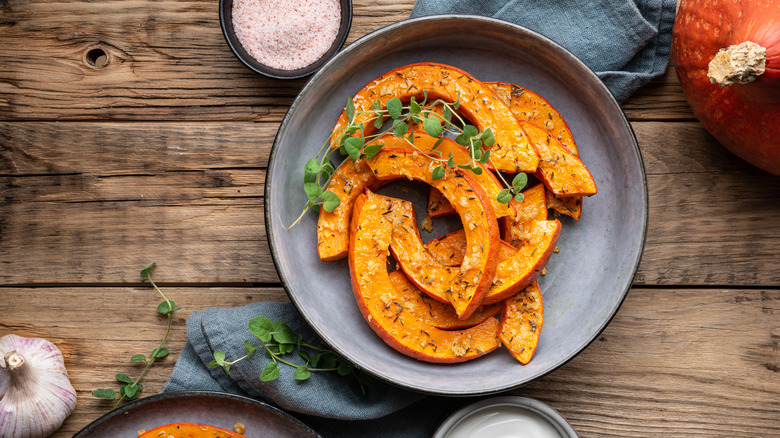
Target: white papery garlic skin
35,393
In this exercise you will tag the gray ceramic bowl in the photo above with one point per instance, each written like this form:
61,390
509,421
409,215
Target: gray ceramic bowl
586,282
226,22
480,419
203,407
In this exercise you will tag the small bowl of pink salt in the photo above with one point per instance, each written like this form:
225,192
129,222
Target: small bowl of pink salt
285,39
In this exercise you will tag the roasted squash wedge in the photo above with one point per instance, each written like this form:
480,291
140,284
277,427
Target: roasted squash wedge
529,106
472,281
533,207
521,322
511,152
517,267
438,205
568,205
435,148
382,304
189,430
450,248
561,171
439,315
349,181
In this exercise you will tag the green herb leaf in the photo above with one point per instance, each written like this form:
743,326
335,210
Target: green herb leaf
109,394
485,157
488,138
166,307
447,113
310,170
519,181
260,326
400,129
353,145
350,109
372,149
477,170
270,372
438,173
330,201
131,391
313,191
219,357
124,378
504,196
394,108
146,271
159,352
432,126
414,107
138,358
519,197
344,368
302,373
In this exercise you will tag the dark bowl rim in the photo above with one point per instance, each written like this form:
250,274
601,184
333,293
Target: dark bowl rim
193,393
225,22
269,227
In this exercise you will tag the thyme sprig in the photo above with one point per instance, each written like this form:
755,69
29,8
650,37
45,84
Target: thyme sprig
131,388
278,340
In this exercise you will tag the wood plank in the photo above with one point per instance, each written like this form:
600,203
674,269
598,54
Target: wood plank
673,362
190,196
169,61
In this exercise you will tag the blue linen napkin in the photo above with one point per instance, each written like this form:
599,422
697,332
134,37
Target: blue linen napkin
626,42
332,405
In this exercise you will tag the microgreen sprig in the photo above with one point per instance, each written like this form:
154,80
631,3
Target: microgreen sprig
354,144
130,388
278,340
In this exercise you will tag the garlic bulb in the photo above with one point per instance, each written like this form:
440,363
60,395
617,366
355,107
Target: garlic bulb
35,393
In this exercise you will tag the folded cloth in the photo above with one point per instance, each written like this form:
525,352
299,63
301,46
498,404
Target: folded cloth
625,42
332,405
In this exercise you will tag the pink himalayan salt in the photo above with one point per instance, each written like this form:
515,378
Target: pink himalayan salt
286,34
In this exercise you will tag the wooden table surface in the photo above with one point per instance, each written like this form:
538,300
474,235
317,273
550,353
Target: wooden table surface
129,133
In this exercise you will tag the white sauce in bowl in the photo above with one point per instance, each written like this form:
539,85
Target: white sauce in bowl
503,421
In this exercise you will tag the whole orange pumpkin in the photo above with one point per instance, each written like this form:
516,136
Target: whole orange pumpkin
727,57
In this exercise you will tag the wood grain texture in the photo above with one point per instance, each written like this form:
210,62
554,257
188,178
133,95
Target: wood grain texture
191,195
677,363
169,61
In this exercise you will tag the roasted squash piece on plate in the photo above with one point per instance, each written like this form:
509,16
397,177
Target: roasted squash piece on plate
381,303
521,322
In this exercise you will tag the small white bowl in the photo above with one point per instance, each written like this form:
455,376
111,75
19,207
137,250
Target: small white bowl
507,416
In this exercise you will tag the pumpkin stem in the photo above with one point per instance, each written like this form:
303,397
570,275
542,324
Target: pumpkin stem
737,64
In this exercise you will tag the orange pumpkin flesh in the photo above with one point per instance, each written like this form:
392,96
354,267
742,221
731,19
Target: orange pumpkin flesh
472,281
189,430
561,171
511,152
450,249
349,181
439,315
743,117
519,266
533,207
529,106
521,322
569,206
383,305
438,206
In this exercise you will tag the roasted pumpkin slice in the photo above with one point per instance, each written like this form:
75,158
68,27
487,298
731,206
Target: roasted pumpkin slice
533,207
376,295
568,205
511,151
189,430
439,315
561,171
408,249
349,181
529,106
442,148
517,267
521,322
438,205
473,279
450,248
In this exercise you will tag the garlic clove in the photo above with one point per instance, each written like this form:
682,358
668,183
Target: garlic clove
35,393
